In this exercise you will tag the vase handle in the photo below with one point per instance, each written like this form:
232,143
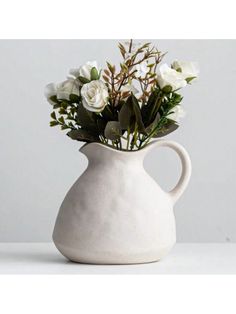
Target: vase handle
178,190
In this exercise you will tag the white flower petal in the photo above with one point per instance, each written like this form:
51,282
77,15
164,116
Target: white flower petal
64,89
142,69
84,70
50,90
94,96
129,88
188,69
170,77
74,72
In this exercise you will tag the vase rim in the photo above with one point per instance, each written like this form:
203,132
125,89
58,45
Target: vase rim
109,147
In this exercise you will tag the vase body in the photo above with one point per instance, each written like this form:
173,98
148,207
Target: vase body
115,213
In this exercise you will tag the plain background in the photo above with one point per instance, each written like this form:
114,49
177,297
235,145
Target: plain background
38,164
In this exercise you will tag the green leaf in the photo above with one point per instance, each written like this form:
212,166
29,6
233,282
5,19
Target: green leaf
74,98
111,67
122,49
53,123
70,117
82,135
113,130
130,114
64,127
153,124
62,111
86,119
64,104
108,114
94,74
83,80
53,115
125,115
170,127
167,89
177,98
138,116
150,110
120,104
189,79
101,123
61,119
124,67
179,70
56,106
54,99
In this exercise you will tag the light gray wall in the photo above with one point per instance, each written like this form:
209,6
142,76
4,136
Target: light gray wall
38,164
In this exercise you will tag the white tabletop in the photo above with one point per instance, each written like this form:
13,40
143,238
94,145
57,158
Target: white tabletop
185,258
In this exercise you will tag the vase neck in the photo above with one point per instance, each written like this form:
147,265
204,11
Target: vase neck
98,152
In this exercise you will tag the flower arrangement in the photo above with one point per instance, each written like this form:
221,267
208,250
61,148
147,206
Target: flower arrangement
124,108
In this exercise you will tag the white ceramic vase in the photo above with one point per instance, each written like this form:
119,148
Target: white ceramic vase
115,213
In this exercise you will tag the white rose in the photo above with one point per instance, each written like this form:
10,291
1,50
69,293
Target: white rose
94,95
85,70
142,69
62,90
66,88
50,90
170,77
187,69
176,113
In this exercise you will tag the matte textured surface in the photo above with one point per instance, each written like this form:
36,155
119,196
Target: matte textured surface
194,258
107,217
